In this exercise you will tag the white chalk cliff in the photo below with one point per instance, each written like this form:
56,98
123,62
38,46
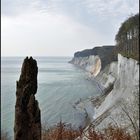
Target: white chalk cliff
126,82
90,63
124,75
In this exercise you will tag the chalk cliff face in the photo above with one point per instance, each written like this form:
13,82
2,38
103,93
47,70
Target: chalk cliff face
91,63
27,112
94,60
124,76
108,75
125,85
128,71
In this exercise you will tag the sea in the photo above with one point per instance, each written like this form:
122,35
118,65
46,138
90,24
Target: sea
60,86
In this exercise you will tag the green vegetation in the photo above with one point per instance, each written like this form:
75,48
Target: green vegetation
127,38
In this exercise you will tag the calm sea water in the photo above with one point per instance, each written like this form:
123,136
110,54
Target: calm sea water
60,85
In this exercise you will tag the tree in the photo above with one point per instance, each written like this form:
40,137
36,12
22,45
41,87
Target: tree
127,38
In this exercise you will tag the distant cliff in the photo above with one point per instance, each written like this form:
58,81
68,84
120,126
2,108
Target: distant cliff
96,59
27,112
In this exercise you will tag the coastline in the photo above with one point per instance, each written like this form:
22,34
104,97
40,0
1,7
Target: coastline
90,104
119,81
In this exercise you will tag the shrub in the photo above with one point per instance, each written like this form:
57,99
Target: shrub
61,132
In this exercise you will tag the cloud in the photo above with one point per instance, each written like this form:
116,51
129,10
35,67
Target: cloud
112,8
99,7
45,34
61,27
89,12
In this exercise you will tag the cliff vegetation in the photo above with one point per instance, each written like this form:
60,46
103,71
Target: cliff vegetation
127,38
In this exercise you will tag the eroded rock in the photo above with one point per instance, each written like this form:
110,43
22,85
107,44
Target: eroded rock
27,112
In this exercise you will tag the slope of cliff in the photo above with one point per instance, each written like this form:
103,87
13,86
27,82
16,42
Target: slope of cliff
121,105
126,84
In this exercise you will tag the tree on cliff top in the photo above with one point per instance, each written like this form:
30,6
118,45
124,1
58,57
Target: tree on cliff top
127,37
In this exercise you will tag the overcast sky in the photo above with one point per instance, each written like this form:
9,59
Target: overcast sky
60,27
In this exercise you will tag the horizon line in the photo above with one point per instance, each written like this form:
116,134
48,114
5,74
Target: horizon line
36,56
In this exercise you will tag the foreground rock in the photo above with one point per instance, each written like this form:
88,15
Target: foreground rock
27,112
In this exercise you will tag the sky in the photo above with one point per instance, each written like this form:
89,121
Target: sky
60,27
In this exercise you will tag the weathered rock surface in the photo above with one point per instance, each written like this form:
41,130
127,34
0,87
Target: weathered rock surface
27,112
